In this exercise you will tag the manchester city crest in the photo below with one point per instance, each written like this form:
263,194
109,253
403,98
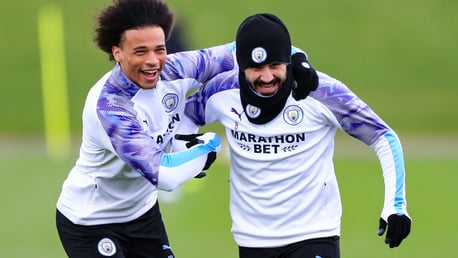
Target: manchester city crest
106,247
170,102
293,115
252,111
258,55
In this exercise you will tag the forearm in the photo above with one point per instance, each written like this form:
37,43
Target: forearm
178,167
171,177
389,152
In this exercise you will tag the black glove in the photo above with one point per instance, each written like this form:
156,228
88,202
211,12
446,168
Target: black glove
305,76
398,229
193,140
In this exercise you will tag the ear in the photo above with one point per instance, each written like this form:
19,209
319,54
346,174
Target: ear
116,51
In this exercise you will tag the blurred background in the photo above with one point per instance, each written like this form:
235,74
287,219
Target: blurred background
400,57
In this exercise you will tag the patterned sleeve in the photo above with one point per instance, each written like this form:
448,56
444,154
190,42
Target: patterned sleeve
131,143
196,103
357,119
200,65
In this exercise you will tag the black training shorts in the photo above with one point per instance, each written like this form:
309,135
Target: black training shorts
327,247
142,237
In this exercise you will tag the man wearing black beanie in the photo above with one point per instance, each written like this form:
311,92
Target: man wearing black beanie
281,117
262,40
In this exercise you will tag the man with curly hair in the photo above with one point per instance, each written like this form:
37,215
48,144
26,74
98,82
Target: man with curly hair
108,204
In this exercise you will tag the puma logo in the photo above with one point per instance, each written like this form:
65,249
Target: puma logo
233,110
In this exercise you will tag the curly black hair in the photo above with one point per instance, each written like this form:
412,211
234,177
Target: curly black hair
124,15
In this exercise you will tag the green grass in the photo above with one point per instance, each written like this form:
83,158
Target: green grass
397,56
198,220
431,198
29,186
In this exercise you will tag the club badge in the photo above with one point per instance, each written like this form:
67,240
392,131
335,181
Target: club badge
170,102
106,247
293,115
258,55
252,111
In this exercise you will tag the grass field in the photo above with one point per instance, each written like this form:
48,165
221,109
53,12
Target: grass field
197,214
398,56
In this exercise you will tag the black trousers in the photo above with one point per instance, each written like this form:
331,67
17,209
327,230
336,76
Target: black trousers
328,247
144,237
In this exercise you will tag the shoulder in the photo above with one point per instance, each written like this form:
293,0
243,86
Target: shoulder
178,85
94,92
332,91
97,87
220,84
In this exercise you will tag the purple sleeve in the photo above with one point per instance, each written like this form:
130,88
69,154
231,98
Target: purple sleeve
196,103
130,142
355,117
200,65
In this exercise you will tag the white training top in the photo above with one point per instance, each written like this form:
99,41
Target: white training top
126,133
283,188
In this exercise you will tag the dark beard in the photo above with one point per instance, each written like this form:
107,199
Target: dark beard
269,106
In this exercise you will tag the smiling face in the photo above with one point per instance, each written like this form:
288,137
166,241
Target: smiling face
266,79
141,55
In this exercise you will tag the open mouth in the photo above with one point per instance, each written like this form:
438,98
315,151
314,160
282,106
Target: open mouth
150,74
266,86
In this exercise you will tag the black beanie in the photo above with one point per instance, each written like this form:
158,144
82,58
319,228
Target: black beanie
262,39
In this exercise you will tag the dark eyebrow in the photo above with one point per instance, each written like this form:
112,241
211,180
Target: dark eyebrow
139,48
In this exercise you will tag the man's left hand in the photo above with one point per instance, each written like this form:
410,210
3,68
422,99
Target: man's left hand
398,229
192,139
305,76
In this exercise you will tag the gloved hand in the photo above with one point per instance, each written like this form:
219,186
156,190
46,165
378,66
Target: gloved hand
305,76
398,229
193,139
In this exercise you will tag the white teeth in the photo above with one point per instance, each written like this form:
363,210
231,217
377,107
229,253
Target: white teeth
150,72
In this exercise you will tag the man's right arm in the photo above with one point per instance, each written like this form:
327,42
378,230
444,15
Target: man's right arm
200,65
